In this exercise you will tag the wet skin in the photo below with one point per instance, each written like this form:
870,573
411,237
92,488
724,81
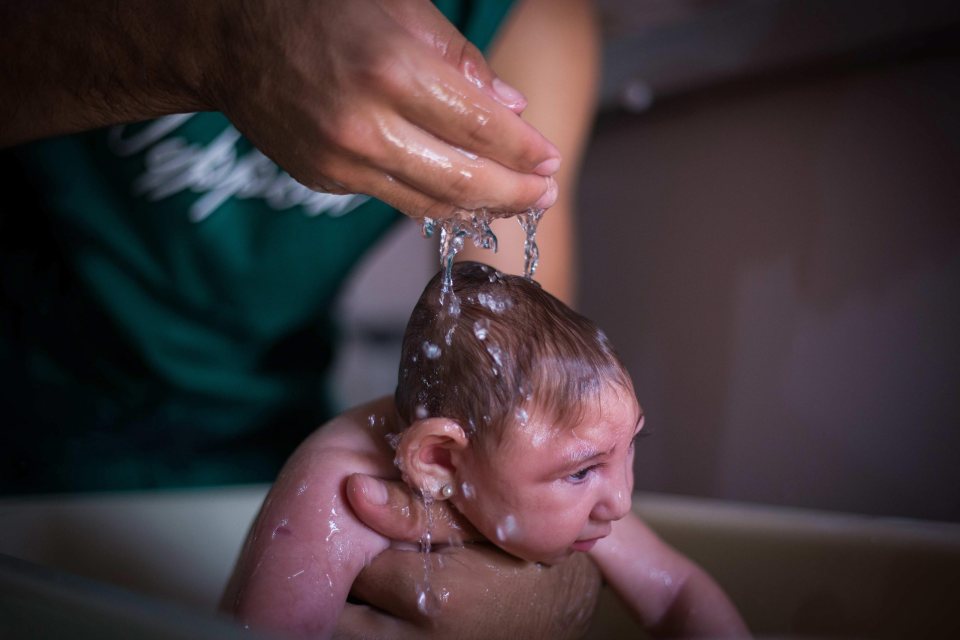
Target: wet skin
548,490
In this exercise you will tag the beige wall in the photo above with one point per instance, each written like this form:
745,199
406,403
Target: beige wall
779,264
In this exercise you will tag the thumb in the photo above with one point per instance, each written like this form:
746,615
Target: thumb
392,509
428,25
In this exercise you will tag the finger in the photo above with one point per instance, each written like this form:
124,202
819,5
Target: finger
441,101
391,509
355,177
427,24
446,174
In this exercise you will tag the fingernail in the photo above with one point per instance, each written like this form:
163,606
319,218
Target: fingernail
373,490
549,197
509,96
548,167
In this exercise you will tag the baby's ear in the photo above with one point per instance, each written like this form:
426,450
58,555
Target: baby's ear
424,454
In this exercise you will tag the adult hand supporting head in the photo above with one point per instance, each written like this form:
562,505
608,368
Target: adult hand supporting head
481,582
382,98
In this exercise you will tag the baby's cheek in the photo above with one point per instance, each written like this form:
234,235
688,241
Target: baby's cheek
482,514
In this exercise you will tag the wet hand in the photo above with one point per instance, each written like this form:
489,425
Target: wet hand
470,587
382,98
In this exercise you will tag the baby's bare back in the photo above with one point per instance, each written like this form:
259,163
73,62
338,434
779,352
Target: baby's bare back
306,547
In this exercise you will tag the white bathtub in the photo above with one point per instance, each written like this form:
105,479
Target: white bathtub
793,573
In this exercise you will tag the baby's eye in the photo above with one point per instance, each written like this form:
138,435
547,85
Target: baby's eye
580,476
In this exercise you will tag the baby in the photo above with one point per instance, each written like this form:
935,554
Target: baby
516,410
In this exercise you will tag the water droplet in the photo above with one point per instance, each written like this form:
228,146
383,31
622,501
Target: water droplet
452,232
507,529
662,576
332,524
522,416
393,439
481,328
482,235
496,304
427,601
496,354
454,307
431,350
426,229
281,529
421,412
531,253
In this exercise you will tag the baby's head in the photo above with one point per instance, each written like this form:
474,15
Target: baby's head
518,411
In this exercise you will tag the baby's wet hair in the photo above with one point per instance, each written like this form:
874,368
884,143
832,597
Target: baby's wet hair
503,347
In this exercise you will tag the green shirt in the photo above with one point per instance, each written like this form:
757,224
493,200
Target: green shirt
165,302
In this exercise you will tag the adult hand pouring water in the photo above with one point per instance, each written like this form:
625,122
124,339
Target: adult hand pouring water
382,98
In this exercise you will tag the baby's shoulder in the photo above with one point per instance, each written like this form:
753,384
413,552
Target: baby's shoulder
353,442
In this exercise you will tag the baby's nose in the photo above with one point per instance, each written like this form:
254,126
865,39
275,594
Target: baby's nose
622,503
615,504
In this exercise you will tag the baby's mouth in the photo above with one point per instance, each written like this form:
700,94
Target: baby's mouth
585,545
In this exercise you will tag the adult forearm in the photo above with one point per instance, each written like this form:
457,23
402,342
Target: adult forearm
487,595
377,97
72,65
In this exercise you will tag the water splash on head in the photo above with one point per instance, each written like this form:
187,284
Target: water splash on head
495,303
481,328
453,231
431,350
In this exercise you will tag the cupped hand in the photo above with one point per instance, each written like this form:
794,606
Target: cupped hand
382,98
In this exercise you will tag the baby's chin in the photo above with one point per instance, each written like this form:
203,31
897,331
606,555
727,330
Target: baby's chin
542,556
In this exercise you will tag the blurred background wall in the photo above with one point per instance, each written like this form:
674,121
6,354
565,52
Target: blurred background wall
770,234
